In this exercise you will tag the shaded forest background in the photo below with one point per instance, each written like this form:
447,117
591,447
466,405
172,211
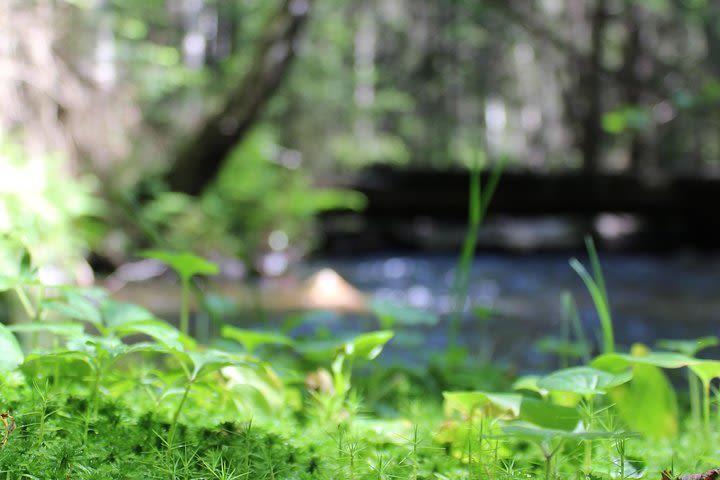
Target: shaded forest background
204,124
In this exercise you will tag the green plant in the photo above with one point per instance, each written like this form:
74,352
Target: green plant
186,265
479,201
44,210
691,348
596,286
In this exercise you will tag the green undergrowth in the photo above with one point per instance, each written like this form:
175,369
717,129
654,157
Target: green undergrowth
93,388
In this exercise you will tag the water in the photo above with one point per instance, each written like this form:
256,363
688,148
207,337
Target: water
651,297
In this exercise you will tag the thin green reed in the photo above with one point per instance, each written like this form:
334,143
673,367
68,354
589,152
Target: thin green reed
477,208
595,285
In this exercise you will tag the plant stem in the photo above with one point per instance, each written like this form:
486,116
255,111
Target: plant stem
91,412
468,251
414,453
588,443
173,426
548,459
478,205
694,391
706,408
25,301
185,306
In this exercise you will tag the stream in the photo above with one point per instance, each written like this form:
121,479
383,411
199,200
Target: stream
651,297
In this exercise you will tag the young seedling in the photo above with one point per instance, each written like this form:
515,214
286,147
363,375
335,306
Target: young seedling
707,371
186,265
479,200
691,348
196,364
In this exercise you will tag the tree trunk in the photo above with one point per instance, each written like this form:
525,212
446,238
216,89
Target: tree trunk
591,89
198,162
632,87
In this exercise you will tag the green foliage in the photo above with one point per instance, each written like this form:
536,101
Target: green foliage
585,381
537,412
596,286
121,394
479,200
259,190
648,403
10,353
43,209
250,339
627,118
186,265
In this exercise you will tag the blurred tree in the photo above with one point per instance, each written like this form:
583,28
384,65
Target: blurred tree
199,161
133,90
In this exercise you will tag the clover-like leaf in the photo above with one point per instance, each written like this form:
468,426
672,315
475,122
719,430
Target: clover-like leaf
706,370
617,362
184,263
250,339
368,345
583,380
159,330
532,410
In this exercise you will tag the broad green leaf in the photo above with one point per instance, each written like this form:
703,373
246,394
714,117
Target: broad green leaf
74,305
468,402
53,357
200,363
647,403
258,380
530,383
707,370
689,347
118,314
368,345
250,339
531,410
64,329
149,347
185,264
617,362
319,350
11,355
583,380
102,350
158,330
390,313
